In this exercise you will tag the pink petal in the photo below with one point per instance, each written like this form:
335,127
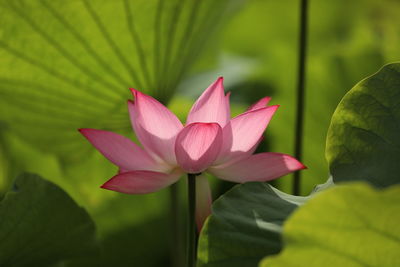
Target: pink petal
203,200
140,182
120,170
198,145
243,133
211,106
155,126
228,105
120,150
259,167
262,103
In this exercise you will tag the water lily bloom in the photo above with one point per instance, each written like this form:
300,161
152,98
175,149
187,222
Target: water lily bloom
210,141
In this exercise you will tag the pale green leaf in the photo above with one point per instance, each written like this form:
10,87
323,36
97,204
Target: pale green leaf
348,225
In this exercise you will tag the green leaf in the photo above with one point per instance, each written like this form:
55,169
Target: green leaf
363,140
246,223
69,64
40,225
348,225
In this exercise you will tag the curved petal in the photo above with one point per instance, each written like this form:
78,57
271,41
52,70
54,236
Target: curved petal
203,200
155,126
242,134
197,146
258,168
140,182
228,105
211,106
120,150
262,103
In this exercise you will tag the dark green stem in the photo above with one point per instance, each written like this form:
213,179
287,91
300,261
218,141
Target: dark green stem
300,91
192,231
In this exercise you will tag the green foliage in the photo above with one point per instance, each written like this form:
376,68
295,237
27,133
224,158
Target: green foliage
354,225
150,240
69,64
348,225
245,224
341,52
363,140
41,225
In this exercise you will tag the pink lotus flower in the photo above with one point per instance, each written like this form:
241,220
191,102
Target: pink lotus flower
210,141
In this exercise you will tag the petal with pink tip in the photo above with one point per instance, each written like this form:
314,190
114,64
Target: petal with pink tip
242,134
262,103
120,150
140,182
197,146
203,200
211,106
155,126
258,168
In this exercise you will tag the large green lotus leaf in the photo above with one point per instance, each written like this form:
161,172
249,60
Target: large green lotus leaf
363,140
348,225
69,64
246,223
40,225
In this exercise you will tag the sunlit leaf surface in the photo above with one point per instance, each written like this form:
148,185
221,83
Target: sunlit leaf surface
349,225
364,137
69,64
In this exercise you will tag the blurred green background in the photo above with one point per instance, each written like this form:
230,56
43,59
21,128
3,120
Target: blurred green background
68,64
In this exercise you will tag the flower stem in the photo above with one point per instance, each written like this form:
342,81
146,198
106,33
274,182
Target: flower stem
300,91
192,232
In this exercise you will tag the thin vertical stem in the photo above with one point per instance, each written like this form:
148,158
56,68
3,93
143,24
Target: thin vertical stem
192,232
177,237
300,91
